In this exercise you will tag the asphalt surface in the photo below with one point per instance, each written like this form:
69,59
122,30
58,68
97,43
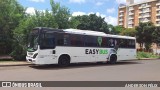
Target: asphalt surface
137,70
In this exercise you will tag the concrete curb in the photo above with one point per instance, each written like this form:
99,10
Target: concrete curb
14,63
148,59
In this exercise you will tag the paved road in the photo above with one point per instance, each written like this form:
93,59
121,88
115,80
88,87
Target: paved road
138,70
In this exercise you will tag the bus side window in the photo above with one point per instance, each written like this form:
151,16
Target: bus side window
111,42
63,39
76,40
66,40
131,43
48,41
91,41
125,43
122,43
104,42
60,39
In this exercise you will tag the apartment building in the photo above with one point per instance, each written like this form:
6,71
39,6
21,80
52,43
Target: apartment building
131,14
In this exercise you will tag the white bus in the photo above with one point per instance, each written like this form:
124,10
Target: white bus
65,46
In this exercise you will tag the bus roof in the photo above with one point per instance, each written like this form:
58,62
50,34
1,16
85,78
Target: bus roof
85,32
95,33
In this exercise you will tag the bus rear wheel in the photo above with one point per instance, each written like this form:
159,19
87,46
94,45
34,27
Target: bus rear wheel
113,59
64,61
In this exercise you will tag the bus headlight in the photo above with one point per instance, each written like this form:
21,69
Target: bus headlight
35,55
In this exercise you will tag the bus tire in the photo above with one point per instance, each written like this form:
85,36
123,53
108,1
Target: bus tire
113,59
64,61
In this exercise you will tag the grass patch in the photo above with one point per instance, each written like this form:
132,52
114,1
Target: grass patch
141,55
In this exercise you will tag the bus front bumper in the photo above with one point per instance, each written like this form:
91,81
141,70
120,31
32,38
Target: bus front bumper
30,60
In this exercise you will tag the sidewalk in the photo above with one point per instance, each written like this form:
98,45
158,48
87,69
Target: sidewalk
14,63
149,59
6,60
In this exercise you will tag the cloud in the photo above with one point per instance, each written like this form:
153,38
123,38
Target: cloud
78,13
30,10
111,10
99,3
77,1
37,1
120,1
124,1
111,20
108,19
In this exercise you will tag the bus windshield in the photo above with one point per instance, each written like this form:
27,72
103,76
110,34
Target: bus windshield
33,42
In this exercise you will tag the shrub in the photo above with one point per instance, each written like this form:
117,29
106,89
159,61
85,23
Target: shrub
146,55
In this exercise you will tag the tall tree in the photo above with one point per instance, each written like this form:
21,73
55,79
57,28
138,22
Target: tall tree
144,34
11,12
57,18
156,35
91,22
129,32
117,30
61,14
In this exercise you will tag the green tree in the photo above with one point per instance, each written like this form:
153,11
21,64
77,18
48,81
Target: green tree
117,30
156,35
11,12
128,32
91,22
144,34
74,22
57,18
21,34
61,14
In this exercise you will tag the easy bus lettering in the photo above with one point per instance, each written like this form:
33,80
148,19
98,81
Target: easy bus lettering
96,51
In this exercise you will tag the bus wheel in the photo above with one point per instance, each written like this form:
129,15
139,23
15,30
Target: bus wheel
64,61
113,59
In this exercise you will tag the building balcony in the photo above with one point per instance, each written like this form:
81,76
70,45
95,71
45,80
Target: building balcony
145,16
121,15
158,19
146,11
131,13
131,18
157,23
158,14
140,7
130,26
158,4
120,23
147,6
131,8
141,17
120,19
146,21
129,23
158,9
140,12
121,11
